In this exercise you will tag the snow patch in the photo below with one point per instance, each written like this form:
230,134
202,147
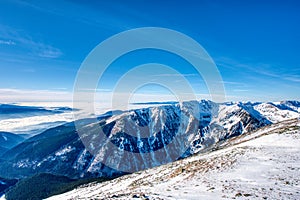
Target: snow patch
65,151
264,167
5,138
274,114
2,183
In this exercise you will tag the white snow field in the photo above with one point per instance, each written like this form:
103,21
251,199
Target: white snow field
264,164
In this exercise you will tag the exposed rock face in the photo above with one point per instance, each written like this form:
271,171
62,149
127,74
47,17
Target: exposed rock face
137,139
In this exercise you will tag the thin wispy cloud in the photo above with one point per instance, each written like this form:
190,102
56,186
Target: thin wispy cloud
23,95
41,52
95,90
24,42
60,88
104,20
175,75
29,70
40,49
49,52
260,69
240,90
232,83
295,78
7,42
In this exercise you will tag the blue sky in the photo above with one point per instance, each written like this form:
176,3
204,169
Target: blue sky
255,44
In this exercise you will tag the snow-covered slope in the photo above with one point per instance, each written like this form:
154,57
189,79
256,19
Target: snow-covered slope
288,105
263,164
274,113
190,127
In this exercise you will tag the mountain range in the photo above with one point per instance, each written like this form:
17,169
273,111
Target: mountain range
263,164
153,136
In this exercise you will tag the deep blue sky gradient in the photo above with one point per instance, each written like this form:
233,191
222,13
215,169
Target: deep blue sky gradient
255,44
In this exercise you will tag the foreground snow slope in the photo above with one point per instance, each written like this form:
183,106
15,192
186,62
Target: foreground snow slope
261,165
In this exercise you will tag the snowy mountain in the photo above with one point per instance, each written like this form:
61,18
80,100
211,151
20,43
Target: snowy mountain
154,136
277,112
262,164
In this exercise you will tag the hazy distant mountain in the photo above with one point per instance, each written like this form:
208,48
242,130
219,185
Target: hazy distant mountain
32,120
9,140
8,111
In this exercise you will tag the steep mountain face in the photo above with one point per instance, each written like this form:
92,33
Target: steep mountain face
137,139
263,164
54,151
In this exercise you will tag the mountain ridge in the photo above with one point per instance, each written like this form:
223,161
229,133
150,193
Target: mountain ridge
60,150
236,168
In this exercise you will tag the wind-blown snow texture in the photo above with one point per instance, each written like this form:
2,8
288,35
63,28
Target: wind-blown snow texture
264,164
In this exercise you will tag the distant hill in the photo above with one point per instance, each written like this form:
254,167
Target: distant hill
5,184
44,185
10,111
12,108
9,140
